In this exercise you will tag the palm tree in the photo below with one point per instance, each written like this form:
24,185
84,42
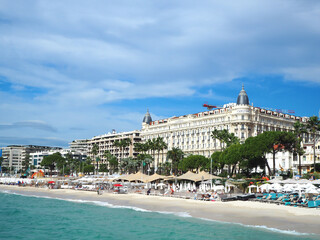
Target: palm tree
122,144
94,152
112,161
313,125
160,146
299,129
175,155
126,142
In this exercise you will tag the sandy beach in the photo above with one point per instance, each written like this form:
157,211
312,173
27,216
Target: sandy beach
244,212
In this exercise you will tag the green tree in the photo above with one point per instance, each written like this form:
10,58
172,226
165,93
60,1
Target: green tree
254,150
274,142
160,146
112,161
313,125
216,162
26,163
103,168
94,152
52,161
232,156
122,145
88,168
145,161
176,155
299,129
194,162
225,137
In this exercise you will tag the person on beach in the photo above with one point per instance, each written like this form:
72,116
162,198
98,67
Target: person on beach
149,191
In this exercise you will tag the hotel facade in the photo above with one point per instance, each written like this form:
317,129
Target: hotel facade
192,132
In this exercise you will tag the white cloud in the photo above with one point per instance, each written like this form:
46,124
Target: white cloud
81,56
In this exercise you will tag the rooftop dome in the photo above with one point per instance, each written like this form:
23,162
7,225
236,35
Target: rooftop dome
243,97
147,118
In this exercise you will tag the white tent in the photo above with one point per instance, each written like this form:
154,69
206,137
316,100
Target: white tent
252,187
265,187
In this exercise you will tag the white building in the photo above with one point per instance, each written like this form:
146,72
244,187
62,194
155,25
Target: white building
79,145
37,157
192,132
307,160
14,155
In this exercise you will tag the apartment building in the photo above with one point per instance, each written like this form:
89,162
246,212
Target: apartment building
37,157
14,155
106,143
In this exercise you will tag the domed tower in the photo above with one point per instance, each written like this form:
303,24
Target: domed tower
243,98
147,118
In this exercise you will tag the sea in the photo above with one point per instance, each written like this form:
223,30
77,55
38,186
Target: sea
32,217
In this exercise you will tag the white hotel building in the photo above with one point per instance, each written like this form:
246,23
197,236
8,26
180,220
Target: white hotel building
192,133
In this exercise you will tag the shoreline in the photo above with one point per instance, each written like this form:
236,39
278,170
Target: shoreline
255,214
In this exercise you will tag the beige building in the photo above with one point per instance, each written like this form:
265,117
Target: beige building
106,141
192,132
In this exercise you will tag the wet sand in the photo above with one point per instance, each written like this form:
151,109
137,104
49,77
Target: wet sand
281,217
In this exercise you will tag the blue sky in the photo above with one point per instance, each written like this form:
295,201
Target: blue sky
76,69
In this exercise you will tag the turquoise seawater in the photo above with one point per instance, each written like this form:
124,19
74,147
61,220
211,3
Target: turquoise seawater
25,217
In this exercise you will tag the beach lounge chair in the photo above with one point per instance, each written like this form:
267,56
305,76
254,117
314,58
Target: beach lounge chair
314,204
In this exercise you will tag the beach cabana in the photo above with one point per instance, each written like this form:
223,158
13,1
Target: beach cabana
155,177
253,187
139,176
188,176
203,176
123,177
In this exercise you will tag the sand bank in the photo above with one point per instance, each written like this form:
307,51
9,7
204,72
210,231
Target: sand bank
281,217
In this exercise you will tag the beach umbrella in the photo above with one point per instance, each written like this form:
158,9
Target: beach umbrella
117,185
315,181
312,190
275,180
51,182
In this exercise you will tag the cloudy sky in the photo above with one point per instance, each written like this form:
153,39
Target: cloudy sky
76,69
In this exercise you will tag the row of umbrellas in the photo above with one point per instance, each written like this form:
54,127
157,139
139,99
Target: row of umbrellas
294,181
307,188
194,177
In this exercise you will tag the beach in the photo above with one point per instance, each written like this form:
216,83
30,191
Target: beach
274,216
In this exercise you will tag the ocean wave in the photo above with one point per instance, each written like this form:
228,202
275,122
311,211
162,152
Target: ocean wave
179,214
289,232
